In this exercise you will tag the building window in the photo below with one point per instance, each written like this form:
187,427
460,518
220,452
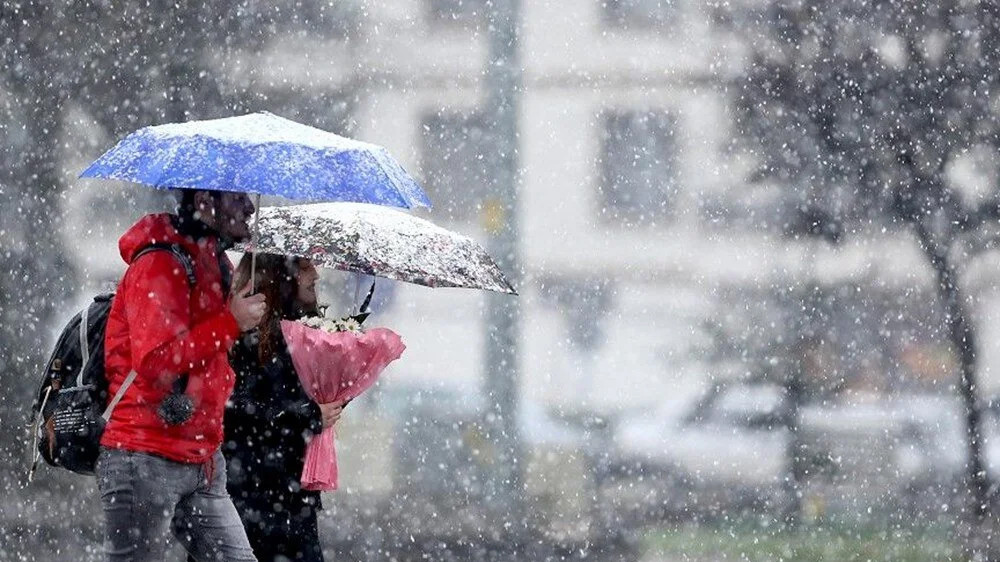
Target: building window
458,11
638,14
454,164
638,167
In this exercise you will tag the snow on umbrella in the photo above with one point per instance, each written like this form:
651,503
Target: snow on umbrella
379,241
264,154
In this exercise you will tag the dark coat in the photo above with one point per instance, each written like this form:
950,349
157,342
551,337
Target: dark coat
268,422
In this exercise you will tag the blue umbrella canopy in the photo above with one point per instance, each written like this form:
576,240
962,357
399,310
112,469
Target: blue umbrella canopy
264,154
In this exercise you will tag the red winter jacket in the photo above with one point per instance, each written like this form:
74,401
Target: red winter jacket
162,329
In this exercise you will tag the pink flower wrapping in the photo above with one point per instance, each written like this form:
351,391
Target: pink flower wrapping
332,367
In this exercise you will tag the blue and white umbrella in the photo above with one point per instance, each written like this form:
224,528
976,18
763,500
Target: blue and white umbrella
263,154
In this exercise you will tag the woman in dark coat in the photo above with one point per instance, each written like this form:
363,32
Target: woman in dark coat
270,419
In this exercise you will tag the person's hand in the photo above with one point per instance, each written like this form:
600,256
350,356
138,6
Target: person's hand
247,309
331,413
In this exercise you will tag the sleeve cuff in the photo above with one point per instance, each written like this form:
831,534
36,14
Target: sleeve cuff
218,332
229,324
227,327
315,417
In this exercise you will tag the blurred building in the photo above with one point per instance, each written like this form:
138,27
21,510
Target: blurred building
619,115
637,226
637,223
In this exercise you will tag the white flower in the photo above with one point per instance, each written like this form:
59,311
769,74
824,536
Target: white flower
346,324
351,325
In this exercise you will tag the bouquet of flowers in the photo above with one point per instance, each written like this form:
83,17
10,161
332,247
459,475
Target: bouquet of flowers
335,360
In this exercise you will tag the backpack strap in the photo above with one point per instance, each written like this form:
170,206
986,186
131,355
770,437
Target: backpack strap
185,259
37,428
118,395
84,344
179,252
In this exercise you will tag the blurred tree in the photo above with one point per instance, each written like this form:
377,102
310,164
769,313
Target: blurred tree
32,93
868,111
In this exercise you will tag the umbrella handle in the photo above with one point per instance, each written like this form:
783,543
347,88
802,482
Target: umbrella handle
253,246
357,289
368,299
363,308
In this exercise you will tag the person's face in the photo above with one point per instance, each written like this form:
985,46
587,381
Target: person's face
232,215
306,278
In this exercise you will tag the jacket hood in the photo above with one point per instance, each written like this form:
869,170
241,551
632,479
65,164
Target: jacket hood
153,229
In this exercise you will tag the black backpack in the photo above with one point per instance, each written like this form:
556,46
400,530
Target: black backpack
71,406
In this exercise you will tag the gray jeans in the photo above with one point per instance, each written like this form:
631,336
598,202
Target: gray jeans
146,497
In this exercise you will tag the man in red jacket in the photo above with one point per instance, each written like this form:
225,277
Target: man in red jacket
155,473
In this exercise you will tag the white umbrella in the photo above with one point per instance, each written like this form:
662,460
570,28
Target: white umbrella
380,241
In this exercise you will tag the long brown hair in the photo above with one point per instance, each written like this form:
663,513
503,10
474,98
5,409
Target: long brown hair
276,280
